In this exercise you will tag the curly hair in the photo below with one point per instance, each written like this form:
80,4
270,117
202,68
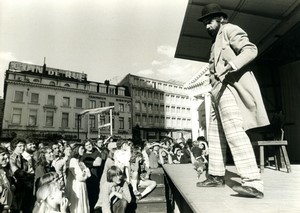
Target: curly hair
41,159
15,142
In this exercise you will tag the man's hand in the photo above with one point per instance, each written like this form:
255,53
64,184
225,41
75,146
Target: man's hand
227,69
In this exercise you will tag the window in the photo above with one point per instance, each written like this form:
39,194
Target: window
51,100
155,107
16,116
150,107
77,121
121,108
173,109
156,119
19,96
138,106
102,120
178,110
49,118
78,102
67,85
65,120
162,108
161,96
52,83
167,108
137,92
102,103
121,122
150,94
66,101
121,91
138,118
102,88
144,106
150,119
34,98
129,123
92,104
111,103
92,121
32,121
112,91
144,118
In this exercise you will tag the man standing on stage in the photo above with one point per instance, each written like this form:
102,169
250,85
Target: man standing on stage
237,104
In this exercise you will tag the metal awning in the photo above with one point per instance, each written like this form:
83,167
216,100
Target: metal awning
96,110
265,21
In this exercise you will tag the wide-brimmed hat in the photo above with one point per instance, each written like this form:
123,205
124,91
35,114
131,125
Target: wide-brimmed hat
212,10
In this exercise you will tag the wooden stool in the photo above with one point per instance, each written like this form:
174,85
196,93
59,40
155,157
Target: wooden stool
282,148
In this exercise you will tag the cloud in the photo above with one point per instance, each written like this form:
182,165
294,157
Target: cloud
7,56
166,50
157,63
146,72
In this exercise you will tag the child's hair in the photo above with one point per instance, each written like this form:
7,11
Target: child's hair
43,192
113,172
48,178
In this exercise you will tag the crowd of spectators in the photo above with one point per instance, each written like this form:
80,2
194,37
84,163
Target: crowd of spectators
103,175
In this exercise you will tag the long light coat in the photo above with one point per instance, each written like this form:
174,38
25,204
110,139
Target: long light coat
233,46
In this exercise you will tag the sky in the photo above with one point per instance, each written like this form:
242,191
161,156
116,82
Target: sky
106,39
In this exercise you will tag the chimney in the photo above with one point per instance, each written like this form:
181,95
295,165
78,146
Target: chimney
106,82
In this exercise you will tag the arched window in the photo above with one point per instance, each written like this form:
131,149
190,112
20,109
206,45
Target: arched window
36,80
52,83
67,85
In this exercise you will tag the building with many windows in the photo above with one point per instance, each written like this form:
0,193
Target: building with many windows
160,108
45,103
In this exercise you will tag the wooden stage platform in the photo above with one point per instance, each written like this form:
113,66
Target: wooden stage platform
281,192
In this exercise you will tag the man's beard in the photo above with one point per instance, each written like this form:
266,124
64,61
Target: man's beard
213,33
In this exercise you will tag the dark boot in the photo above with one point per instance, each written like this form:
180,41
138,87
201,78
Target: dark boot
212,181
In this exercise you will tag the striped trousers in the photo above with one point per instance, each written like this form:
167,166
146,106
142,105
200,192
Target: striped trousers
226,128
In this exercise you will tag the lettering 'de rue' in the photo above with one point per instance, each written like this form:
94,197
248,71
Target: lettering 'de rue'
23,67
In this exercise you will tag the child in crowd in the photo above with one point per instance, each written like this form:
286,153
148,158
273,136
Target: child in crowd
50,199
122,157
115,194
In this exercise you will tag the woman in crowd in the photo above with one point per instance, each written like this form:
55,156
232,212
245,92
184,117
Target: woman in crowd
108,164
92,159
62,164
76,182
44,164
115,194
5,185
164,156
136,161
50,199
